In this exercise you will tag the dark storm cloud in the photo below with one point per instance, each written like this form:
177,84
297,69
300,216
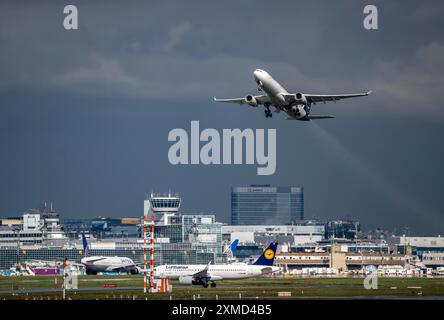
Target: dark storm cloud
134,50
89,98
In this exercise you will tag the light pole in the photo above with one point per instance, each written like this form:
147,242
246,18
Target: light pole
17,238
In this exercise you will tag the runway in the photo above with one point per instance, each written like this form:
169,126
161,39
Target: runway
196,291
194,288
130,287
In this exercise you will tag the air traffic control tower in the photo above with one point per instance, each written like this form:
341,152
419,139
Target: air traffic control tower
163,206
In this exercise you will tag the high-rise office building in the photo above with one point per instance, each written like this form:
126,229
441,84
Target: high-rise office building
264,204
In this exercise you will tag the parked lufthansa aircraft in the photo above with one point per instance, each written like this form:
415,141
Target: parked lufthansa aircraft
200,274
296,105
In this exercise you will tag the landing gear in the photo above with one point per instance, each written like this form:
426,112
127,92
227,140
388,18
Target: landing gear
212,284
133,271
267,112
90,272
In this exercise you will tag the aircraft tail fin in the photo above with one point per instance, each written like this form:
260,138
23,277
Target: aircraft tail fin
231,249
267,257
85,245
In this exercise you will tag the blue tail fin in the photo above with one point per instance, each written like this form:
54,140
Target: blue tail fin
267,257
233,247
85,245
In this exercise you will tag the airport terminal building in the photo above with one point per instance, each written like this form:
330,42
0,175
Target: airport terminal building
199,239
179,239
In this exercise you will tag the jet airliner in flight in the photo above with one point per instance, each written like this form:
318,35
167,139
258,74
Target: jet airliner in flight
296,105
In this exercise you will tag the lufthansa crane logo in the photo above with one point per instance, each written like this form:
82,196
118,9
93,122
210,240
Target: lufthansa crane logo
269,254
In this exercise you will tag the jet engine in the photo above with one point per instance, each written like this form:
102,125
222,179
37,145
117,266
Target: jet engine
251,100
298,111
134,270
190,280
186,280
300,98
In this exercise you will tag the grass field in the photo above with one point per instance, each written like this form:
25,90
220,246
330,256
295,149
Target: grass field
130,287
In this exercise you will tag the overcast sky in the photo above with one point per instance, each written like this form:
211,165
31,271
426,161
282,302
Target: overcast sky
85,114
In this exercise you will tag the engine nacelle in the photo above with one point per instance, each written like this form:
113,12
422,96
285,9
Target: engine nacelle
186,280
300,98
190,280
251,100
298,111
134,270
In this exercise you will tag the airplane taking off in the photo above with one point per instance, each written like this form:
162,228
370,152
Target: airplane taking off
296,105
106,264
200,274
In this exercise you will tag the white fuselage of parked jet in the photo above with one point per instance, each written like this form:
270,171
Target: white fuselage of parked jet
108,264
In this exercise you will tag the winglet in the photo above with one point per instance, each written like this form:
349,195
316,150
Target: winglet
370,91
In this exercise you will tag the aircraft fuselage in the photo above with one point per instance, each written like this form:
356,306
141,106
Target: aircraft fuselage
270,86
275,92
107,264
215,272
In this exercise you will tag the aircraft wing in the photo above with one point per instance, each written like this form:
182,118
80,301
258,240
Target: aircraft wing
335,97
117,268
260,100
76,264
96,259
112,268
203,273
313,98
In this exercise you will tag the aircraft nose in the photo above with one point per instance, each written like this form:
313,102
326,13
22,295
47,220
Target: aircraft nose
256,73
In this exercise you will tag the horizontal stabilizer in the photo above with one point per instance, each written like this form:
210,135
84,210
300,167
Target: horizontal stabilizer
307,118
321,117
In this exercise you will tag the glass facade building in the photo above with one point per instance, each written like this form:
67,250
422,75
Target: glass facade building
164,253
189,239
262,205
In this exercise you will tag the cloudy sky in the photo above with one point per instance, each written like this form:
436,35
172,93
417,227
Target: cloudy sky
85,114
